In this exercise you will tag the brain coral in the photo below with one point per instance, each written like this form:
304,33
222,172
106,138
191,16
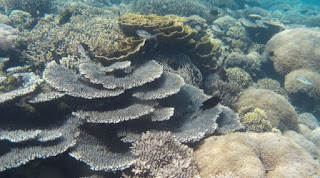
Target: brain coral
254,155
303,81
280,112
294,49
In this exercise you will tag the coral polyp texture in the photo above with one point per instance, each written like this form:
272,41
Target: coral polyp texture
294,49
263,154
279,111
303,81
160,155
7,36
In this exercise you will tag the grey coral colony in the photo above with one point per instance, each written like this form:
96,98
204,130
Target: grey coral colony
144,93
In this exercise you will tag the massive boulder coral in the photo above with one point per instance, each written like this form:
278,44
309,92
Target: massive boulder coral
294,49
7,36
303,81
280,112
254,155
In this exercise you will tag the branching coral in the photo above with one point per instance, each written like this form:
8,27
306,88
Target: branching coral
178,7
34,7
239,76
160,155
48,41
250,63
255,121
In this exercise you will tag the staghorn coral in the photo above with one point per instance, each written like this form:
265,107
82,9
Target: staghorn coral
160,155
239,76
255,120
280,112
263,154
294,49
303,81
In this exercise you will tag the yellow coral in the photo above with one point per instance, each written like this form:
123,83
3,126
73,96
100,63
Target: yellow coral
256,121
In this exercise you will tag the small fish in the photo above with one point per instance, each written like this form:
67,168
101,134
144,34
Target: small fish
304,80
210,103
146,35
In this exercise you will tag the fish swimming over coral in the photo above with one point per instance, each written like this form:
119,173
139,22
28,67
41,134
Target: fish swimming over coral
210,103
148,36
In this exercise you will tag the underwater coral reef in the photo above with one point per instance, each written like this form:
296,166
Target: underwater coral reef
159,88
